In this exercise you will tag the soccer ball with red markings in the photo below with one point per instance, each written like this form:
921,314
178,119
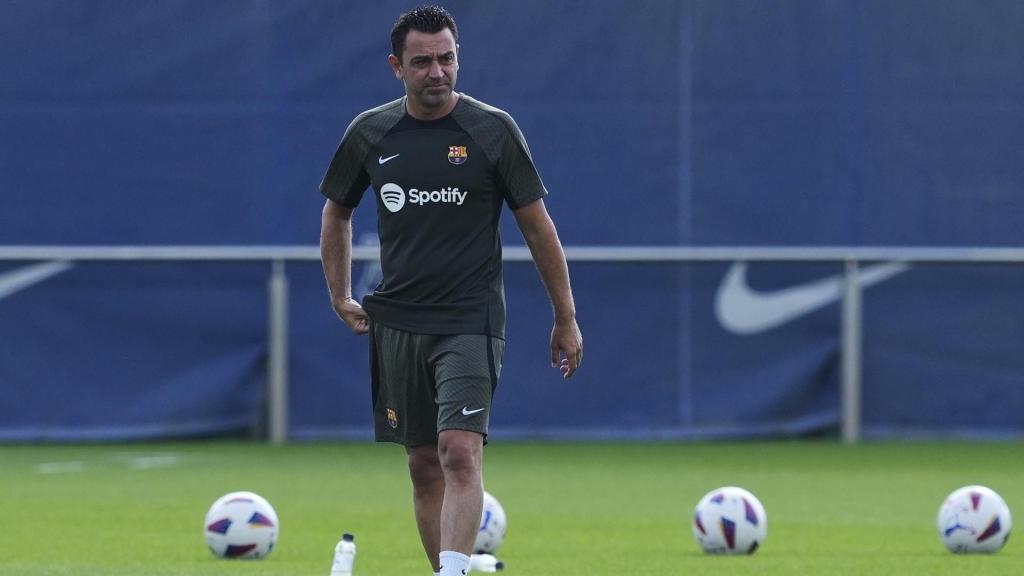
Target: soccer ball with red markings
974,519
241,525
730,520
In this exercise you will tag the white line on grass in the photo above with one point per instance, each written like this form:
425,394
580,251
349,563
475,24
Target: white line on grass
133,461
60,467
147,462
137,461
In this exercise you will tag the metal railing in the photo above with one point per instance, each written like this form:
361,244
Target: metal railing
851,334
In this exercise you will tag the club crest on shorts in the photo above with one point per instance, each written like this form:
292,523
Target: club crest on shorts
457,155
392,418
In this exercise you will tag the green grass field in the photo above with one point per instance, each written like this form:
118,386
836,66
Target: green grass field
574,509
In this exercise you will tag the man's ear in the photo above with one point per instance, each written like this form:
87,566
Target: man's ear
396,65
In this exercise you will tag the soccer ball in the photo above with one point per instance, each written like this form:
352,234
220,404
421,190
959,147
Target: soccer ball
241,525
730,520
493,524
974,519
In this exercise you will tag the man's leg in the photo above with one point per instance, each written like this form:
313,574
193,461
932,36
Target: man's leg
428,490
466,368
461,457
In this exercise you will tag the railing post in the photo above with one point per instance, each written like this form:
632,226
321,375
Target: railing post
277,361
851,354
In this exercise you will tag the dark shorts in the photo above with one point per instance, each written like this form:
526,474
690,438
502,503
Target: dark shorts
426,383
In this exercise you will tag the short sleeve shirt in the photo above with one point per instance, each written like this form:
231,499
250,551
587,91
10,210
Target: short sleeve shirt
439,187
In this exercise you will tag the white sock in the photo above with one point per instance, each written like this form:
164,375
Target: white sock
453,564
437,574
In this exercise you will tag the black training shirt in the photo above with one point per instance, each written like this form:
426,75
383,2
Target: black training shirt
439,187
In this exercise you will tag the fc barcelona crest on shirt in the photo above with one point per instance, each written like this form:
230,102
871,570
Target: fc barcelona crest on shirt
457,155
392,418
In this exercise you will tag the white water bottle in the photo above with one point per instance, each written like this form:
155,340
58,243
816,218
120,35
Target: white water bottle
485,563
344,556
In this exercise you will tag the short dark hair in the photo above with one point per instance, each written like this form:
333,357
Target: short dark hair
426,19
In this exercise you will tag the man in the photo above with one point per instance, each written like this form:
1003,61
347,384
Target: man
441,165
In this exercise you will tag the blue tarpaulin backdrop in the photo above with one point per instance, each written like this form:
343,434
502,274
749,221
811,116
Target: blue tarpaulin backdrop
713,122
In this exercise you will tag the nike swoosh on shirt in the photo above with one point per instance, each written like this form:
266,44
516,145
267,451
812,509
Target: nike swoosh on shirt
467,412
21,278
382,160
742,310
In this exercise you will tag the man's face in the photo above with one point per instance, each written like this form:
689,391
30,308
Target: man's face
428,68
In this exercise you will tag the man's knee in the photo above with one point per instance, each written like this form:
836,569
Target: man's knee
424,465
460,452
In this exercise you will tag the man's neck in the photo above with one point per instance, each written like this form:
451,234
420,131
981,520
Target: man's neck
421,114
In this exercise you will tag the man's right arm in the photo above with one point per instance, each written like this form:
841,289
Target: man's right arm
336,256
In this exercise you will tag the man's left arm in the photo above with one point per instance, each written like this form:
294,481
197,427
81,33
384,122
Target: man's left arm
542,238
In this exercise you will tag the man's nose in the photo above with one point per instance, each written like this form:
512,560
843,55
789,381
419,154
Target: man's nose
435,70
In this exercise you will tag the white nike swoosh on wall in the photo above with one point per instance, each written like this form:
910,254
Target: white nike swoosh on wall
18,279
742,310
